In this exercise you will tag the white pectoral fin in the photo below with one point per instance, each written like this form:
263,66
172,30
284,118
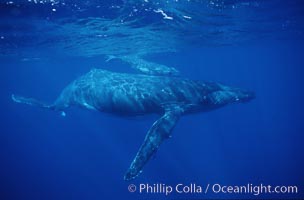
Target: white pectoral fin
160,130
110,57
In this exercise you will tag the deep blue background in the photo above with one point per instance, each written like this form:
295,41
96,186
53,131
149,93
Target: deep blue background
85,154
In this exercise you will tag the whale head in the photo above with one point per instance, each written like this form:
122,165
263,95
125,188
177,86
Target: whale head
227,95
239,95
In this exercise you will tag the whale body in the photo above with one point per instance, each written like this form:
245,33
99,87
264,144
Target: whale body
138,94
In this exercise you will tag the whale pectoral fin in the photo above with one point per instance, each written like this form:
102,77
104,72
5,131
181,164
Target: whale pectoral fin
110,57
159,131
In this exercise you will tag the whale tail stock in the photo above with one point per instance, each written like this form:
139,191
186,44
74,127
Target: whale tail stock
32,102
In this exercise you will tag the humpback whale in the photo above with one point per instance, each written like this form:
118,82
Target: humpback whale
139,94
145,67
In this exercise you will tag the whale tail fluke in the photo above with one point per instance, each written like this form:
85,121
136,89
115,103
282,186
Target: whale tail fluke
31,102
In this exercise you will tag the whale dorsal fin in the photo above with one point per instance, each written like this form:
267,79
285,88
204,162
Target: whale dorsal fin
160,130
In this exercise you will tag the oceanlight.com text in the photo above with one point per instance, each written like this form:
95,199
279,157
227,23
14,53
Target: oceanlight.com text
195,188
254,189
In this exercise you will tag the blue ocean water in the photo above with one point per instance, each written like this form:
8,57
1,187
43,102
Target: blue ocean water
256,45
